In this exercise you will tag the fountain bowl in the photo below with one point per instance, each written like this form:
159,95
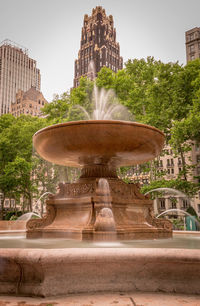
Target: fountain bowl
113,142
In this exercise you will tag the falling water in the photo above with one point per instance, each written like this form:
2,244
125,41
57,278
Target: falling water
179,211
178,193
37,209
168,190
104,219
104,190
27,216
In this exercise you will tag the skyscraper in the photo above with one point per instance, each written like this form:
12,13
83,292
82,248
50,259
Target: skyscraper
17,72
98,44
192,42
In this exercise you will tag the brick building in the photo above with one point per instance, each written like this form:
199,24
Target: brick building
28,103
17,72
192,43
98,45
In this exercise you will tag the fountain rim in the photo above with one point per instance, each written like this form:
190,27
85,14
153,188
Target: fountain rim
99,122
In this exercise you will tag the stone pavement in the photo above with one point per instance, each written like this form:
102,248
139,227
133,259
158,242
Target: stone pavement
104,299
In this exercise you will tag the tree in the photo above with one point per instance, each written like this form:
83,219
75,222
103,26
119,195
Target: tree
57,110
16,156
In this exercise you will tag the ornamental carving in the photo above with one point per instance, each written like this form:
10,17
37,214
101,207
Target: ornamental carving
46,220
129,191
158,223
74,190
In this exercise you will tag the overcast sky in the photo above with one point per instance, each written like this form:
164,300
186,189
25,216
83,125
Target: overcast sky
51,30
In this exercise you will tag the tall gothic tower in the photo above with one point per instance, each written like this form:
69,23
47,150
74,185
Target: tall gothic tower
98,45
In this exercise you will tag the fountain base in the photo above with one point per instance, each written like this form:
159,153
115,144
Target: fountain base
81,211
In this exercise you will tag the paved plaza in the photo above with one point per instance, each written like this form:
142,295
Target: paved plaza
104,299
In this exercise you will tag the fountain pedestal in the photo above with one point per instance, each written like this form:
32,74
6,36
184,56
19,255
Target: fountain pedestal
78,209
75,212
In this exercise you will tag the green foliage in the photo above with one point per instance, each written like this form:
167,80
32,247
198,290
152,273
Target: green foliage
187,187
81,96
57,110
106,78
16,156
190,210
13,218
178,224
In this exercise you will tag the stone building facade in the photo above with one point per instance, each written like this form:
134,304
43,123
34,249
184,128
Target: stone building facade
17,72
192,43
98,46
169,167
28,103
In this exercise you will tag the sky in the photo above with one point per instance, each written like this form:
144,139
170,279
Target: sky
51,31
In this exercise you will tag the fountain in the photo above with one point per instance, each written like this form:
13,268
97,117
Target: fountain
98,147
99,206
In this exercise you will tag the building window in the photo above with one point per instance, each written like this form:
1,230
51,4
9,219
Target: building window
191,37
192,57
38,101
173,202
162,203
191,48
198,207
185,203
172,170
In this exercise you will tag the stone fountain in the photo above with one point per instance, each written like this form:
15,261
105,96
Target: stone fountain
99,206
78,211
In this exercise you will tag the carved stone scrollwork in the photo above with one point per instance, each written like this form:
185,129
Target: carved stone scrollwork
46,220
166,224
120,189
78,189
136,191
128,191
158,223
74,190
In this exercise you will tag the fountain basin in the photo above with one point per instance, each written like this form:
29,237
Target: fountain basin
98,142
12,226
39,272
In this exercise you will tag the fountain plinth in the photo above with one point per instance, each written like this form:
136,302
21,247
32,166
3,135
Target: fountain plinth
82,210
